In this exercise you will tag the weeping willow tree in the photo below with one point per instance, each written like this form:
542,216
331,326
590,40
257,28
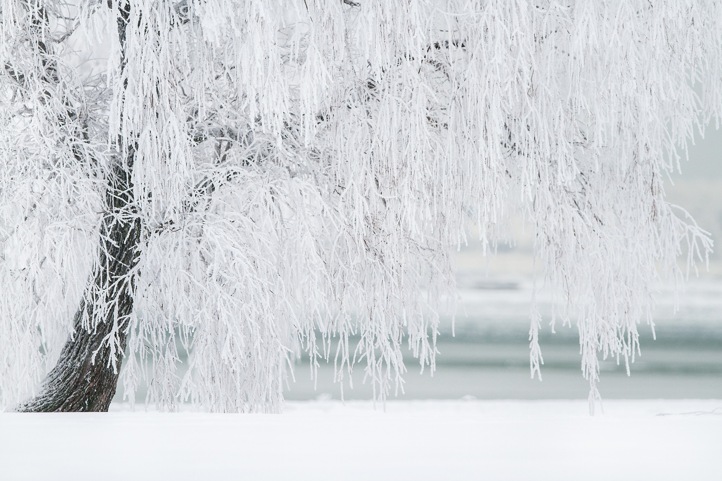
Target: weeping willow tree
263,178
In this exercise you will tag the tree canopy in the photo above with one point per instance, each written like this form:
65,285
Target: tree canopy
259,178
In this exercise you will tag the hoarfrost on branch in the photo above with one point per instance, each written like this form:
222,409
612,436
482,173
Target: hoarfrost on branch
302,170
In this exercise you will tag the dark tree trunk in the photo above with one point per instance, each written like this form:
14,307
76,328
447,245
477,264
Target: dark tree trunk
85,377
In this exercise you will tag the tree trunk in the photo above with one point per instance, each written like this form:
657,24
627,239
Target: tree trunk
86,375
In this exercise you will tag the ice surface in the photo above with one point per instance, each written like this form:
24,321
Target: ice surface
419,440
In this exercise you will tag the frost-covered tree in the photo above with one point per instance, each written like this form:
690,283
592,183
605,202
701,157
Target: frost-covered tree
257,178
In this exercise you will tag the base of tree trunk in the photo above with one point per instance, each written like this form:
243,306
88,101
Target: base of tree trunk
81,381
84,378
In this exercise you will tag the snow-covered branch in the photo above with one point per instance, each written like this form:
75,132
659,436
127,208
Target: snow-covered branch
302,169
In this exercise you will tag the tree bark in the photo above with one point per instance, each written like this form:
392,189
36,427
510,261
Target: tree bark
86,375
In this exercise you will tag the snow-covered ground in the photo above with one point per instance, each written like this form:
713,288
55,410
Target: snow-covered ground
414,440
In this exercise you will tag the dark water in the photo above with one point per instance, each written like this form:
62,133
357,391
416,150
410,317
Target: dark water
501,371
488,358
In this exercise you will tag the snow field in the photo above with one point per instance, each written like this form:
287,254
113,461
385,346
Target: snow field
419,440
